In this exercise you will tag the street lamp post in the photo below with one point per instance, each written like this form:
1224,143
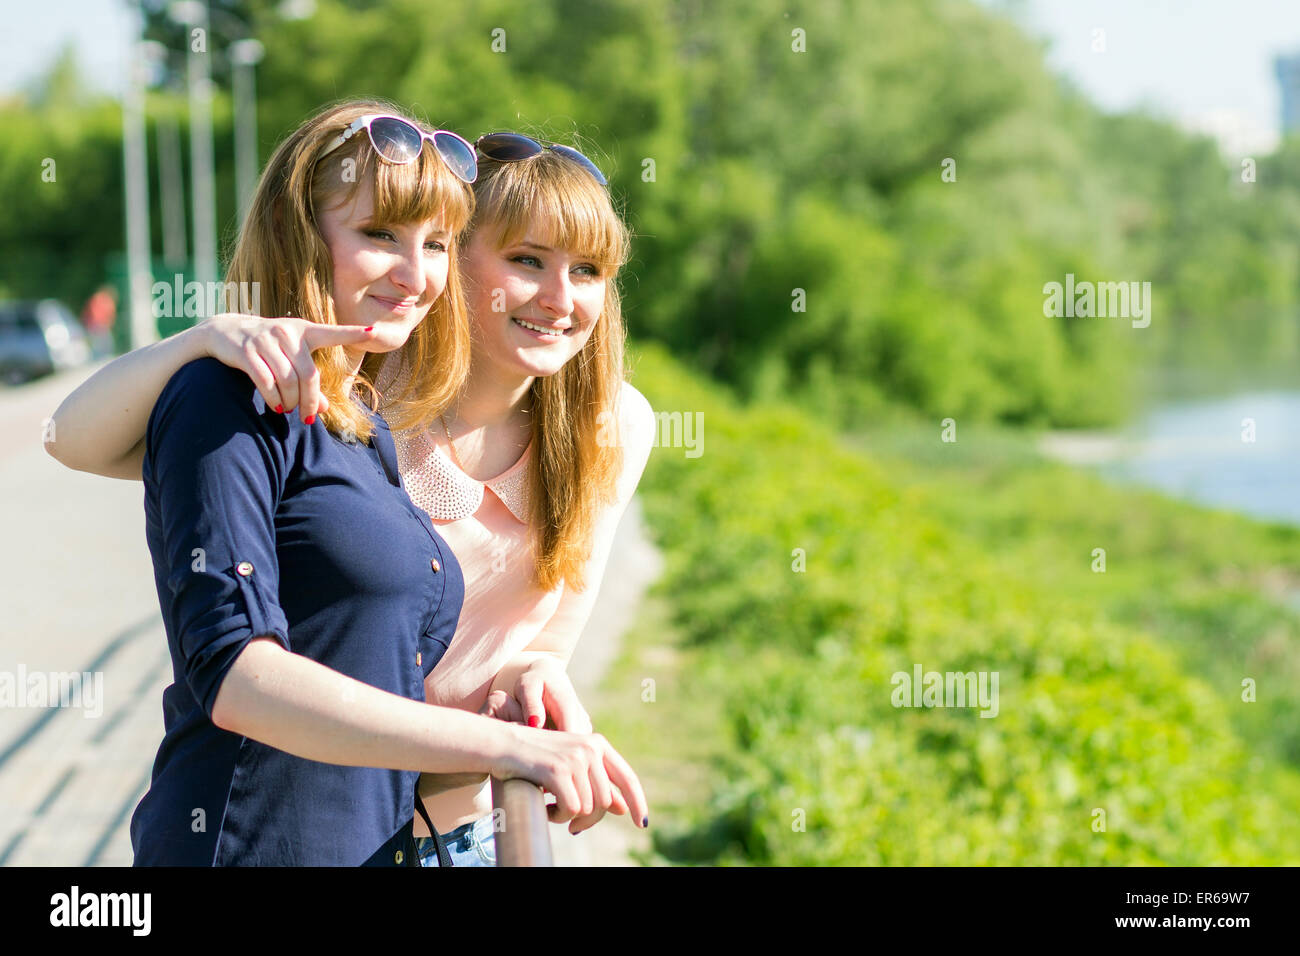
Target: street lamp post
171,184
194,14
244,55
136,175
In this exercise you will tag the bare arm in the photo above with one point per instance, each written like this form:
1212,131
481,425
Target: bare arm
100,427
299,706
302,707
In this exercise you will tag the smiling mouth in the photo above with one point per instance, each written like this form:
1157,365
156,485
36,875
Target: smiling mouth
395,304
541,328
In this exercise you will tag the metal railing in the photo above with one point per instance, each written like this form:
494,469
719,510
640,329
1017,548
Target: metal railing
522,834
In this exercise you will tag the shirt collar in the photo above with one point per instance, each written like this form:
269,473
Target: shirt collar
442,489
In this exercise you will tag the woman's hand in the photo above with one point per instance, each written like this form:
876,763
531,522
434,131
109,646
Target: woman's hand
544,691
584,771
276,355
502,706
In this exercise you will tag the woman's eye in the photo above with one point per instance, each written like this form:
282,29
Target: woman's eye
527,260
435,245
379,234
587,270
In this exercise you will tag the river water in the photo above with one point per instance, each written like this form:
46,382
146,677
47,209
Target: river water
1241,453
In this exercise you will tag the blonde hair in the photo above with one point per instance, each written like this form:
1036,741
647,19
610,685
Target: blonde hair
280,248
575,466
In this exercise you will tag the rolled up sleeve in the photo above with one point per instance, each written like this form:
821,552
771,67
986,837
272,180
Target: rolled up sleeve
214,472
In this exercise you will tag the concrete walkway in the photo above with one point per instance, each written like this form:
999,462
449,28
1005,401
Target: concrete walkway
634,564
79,598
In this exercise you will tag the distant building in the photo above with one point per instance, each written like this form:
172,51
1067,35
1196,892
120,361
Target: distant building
1237,133
1288,78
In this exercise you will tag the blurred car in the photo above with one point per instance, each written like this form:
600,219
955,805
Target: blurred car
38,338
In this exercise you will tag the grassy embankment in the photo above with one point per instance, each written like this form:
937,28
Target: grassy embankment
1119,691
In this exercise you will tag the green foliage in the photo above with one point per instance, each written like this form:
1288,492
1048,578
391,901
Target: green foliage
52,236
981,563
792,149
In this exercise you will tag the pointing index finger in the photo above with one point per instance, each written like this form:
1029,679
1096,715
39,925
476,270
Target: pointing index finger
320,336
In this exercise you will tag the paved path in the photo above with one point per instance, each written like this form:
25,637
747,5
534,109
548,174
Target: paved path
78,597
634,564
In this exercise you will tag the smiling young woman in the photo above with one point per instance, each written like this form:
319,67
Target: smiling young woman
530,470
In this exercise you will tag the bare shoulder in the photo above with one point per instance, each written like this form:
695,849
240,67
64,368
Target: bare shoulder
635,416
637,424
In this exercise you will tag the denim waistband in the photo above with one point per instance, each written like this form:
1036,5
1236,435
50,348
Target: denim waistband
460,834
471,844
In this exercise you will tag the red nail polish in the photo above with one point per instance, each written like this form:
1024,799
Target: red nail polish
280,409
370,328
534,721
310,420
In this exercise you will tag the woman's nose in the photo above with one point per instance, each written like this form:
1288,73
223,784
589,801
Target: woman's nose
408,272
556,295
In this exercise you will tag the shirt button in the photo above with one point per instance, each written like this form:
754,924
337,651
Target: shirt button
243,569
433,564
398,857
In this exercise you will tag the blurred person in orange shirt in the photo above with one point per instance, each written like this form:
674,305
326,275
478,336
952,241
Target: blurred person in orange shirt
98,315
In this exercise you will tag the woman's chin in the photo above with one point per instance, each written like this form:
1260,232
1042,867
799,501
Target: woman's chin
388,336
537,369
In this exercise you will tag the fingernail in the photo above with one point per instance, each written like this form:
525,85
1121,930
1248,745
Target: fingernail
309,420
370,328
645,822
534,721
280,409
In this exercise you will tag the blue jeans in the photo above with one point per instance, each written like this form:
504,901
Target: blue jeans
471,844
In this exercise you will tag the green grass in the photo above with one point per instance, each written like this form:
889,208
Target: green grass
1120,691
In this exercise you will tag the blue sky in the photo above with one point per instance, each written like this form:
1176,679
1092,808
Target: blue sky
36,31
1207,64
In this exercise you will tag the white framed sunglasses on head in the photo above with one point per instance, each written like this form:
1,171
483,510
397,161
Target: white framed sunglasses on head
399,141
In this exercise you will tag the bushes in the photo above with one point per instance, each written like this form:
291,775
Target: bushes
1095,713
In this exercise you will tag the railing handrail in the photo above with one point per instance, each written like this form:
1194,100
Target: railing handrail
519,824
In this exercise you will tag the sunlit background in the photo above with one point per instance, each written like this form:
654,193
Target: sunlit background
848,221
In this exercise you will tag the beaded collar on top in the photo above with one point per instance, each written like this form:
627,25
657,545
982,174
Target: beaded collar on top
441,487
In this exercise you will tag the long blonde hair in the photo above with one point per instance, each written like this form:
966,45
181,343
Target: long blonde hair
575,466
280,248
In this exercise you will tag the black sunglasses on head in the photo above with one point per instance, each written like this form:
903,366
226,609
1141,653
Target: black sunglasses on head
516,147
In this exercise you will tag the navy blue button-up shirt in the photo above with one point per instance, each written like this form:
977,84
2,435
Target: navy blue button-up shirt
260,525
